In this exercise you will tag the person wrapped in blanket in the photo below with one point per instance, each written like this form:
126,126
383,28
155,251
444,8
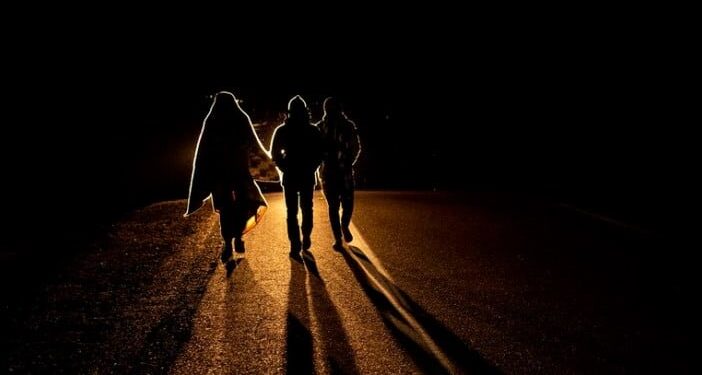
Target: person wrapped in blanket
222,170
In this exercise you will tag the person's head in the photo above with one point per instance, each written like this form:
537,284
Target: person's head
226,114
224,104
297,109
332,107
224,98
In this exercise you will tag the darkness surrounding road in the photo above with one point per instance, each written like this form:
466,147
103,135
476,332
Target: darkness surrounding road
536,285
577,121
434,282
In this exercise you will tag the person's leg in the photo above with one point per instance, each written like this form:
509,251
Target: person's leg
291,202
333,202
307,215
239,224
224,204
226,225
347,211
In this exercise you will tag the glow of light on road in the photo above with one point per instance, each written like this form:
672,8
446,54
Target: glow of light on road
395,299
360,242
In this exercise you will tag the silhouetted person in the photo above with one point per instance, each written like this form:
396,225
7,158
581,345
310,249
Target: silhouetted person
296,150
342,147
225,149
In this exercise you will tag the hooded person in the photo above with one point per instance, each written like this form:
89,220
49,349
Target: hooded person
296,149
227,153
342,147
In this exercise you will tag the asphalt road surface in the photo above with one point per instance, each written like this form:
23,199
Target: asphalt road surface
431,283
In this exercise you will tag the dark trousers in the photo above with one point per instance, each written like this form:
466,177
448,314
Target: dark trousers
232,213
232,221
298,197
335,198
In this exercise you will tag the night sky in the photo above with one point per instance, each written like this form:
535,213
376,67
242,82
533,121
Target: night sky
103,116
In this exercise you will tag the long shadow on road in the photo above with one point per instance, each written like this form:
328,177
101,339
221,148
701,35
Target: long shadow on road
165,341
338,354
433,347
300,354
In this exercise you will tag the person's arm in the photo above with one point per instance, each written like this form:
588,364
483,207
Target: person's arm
322,141
355,142
257,147
261,166
277,150
321,150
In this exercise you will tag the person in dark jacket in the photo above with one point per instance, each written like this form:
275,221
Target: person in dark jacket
342,147
297,151
222,170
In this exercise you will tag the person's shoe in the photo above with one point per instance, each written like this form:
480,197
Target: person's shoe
347,234
226,252
239,246
306,243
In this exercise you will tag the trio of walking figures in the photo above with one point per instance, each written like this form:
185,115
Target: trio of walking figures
229,158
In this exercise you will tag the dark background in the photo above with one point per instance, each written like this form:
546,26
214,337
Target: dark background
101,114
